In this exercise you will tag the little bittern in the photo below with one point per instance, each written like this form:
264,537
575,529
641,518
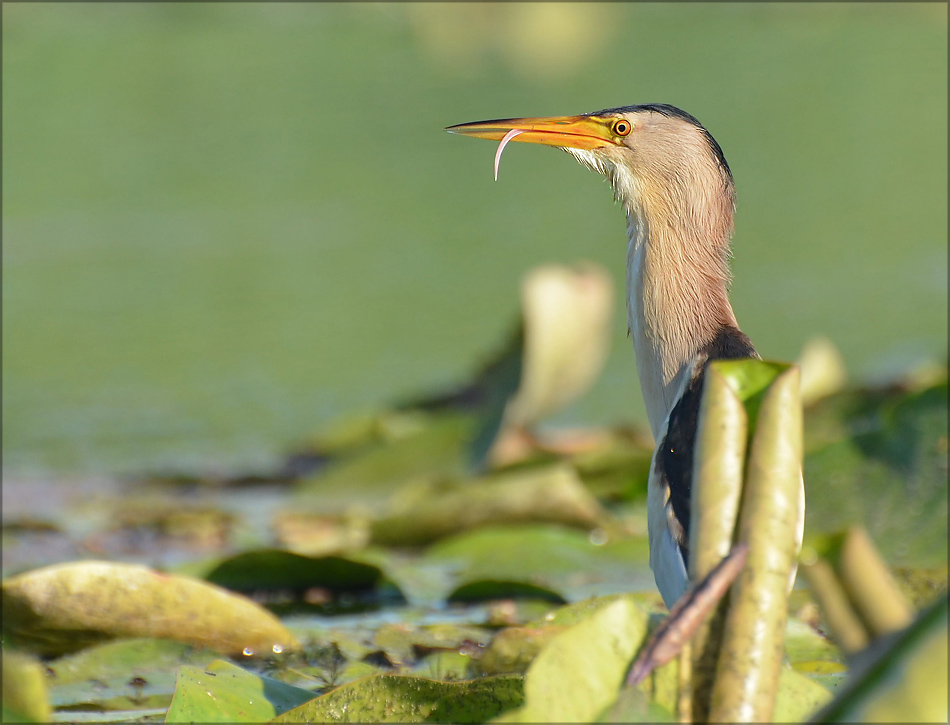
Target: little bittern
676,188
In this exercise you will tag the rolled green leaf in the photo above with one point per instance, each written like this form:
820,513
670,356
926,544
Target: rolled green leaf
750,658
846,626
870,586
719,459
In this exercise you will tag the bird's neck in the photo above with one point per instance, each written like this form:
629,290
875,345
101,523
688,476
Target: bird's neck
677,287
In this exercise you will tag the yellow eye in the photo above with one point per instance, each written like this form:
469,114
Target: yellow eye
622,127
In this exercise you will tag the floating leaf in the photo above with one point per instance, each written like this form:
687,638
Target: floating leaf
116,693
797,697
571,614
130,674
24,689
404,643
830,675
552,494
223,692
129,657
488,589
804,644
269,569
62,608
635,705
397,698
444,665
553,557
513,649
368,478
579,672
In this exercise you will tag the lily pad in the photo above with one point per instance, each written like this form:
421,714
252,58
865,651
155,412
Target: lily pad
797,696
128,657
398,698
125,675
63,608
489,589
404,643
445,665
553,557
116,693
830,675
804,644
269,569
578,674
571,614
223,692
635,705
551,494
512,650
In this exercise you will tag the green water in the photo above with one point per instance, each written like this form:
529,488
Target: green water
225,225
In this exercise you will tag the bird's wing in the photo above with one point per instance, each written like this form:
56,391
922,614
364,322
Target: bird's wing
668,492
666,555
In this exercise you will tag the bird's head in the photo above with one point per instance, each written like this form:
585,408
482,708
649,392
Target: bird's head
653,151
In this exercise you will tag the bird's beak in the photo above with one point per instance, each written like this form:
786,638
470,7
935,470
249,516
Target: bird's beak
579,132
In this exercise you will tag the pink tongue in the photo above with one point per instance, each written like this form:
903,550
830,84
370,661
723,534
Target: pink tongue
501,147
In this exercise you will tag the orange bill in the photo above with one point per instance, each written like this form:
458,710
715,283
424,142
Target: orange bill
579,132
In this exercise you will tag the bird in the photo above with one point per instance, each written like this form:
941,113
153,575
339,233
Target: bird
673,181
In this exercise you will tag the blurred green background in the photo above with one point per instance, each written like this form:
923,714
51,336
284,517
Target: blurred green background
225,225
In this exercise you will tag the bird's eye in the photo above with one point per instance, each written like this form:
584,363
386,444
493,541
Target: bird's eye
622,127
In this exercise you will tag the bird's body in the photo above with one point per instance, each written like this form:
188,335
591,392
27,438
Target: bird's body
677,190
